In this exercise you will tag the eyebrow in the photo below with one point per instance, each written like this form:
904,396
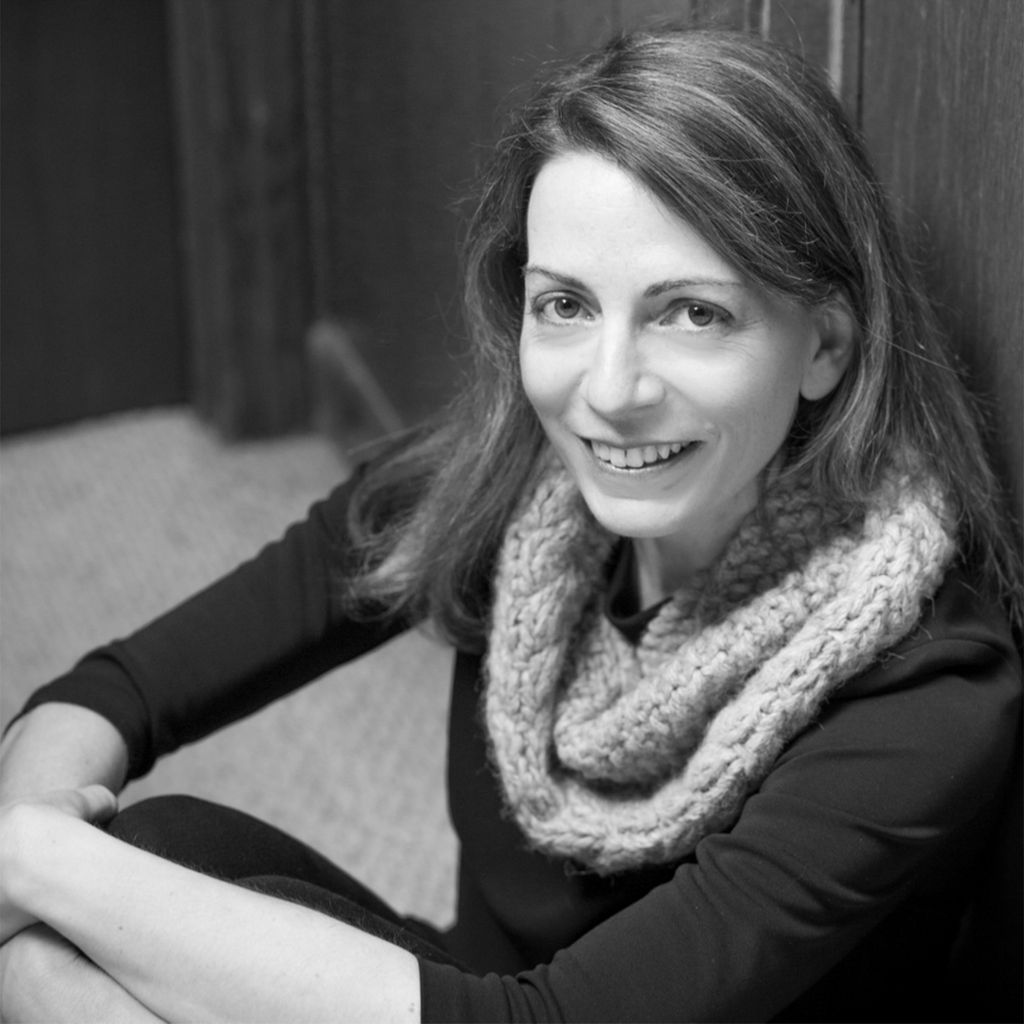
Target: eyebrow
651,291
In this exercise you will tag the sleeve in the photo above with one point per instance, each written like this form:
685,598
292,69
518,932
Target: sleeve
258,633
892,786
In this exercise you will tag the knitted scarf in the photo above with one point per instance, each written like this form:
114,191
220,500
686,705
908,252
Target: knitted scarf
619,756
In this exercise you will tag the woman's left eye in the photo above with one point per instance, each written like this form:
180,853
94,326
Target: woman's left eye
696,314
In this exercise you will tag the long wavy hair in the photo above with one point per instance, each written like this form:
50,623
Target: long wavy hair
746,143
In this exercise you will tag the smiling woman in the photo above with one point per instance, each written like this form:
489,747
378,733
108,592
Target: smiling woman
735,696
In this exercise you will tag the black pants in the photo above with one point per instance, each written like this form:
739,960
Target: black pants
238,848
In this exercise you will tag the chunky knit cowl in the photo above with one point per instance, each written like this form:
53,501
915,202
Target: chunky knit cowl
618,755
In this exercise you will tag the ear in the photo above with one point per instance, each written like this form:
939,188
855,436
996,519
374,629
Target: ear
835,337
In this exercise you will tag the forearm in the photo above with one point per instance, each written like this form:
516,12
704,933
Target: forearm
44,978
192,947
60,746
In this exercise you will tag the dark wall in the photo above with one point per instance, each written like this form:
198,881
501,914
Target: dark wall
239,71
90,320
943,113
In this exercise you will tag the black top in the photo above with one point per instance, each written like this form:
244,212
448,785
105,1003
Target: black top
834,896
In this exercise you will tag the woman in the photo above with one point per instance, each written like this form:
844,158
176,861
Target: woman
714,537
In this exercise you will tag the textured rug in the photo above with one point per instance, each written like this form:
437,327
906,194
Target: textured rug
107,523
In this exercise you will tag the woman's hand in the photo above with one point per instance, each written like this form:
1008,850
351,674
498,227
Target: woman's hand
24,825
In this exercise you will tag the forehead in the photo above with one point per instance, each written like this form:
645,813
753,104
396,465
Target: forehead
586,209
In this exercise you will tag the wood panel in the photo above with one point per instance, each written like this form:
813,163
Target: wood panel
90,314
942,99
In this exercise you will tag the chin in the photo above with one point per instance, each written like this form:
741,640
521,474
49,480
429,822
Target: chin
637,519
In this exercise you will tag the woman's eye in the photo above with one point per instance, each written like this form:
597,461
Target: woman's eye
697,314
561,307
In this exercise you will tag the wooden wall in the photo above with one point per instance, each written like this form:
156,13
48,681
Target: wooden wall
943,113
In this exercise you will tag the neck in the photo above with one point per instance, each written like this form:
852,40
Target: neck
662,569
666,565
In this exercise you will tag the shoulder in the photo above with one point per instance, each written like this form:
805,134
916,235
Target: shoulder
961,636
932,724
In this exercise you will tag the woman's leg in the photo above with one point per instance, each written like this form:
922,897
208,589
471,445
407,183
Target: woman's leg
237,847
231,845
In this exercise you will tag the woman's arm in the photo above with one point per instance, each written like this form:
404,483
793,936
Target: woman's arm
44,978
191,947
60,746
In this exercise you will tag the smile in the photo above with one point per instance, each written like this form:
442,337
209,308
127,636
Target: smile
638,458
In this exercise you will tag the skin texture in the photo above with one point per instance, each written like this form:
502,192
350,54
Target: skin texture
223,953
44,978
60,746
637,334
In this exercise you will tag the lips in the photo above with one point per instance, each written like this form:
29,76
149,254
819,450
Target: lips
640,457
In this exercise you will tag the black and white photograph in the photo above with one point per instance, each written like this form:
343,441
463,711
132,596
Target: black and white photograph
511,510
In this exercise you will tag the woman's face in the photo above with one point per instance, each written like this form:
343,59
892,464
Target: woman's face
665,381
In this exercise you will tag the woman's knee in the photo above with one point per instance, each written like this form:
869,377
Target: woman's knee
211,838
165,825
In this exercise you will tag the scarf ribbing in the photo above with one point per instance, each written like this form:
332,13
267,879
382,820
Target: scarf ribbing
619,756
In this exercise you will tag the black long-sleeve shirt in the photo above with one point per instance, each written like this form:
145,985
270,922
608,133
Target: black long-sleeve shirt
834,896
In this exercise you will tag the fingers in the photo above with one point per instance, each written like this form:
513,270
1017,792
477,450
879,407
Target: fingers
94,803
98,804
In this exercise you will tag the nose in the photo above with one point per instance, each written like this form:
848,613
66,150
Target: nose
618,381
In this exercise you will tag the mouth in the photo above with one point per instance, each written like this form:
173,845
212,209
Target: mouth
648,456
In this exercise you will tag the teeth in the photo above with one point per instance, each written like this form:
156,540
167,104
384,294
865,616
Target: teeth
635,458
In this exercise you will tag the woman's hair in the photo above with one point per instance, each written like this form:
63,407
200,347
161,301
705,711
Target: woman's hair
746,143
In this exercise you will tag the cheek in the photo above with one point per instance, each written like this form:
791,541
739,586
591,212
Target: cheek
773,409
528,375
543,378
759,405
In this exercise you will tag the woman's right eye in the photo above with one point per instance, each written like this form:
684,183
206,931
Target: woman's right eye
559,308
